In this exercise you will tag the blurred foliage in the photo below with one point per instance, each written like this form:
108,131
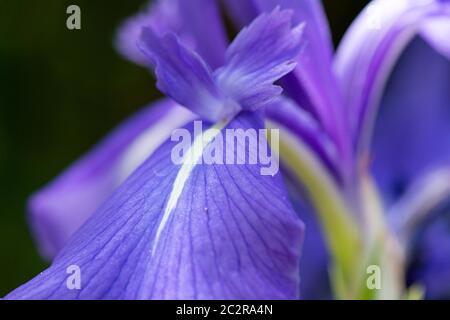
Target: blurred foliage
60,92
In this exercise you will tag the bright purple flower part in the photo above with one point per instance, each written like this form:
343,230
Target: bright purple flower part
195,231
364,151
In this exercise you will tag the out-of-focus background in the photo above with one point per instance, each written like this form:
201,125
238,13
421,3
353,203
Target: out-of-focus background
60,92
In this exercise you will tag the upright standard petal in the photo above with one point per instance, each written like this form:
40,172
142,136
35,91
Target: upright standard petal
185,18
411,161
190,231
185,76
411,132
313,84
262,53
370,49
59,209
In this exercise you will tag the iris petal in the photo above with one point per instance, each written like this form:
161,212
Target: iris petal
185,18
312,85
314,265
60,208
436,30
232,234
183,75
369,51
284,112
413,123
394,69
430,263
262,53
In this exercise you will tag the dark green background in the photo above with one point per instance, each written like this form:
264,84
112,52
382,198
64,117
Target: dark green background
60,92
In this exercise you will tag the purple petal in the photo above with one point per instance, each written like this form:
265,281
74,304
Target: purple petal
161,16
312,84
59,209
314,262
430,265
185,18
211,41
262,53
419,201
370,49
283,112
413,123
411,158
436,30
184,76
231,234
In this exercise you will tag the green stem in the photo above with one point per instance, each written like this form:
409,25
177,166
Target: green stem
354,244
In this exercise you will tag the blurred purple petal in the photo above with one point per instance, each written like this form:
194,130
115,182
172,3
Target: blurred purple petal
369,51
60,208
411,158
161,16
418,202
314,262
430,265
413,122
232,234
283,112
436,30
312,84
185,18
210,41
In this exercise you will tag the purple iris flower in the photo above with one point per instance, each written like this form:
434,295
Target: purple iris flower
365,161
